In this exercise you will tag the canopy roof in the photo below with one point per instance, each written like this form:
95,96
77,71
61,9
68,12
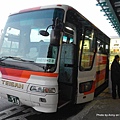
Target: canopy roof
111,8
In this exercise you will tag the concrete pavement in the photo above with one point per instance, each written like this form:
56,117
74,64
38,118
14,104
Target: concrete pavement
103,107
4,104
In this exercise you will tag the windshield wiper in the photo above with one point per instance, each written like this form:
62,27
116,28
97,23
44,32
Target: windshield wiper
14,58
19,59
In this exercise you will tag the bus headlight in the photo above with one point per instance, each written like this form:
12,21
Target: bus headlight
42,89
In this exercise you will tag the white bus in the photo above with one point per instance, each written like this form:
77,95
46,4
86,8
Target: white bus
51,56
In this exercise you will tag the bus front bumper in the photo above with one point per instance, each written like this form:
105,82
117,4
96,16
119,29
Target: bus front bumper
42,103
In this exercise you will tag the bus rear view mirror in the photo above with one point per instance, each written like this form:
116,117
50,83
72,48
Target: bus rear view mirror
55,37
44,33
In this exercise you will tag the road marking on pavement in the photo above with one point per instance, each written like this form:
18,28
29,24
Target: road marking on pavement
8,114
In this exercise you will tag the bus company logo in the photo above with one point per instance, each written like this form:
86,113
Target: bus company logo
13,84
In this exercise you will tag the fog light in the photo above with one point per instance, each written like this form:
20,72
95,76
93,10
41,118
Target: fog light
42,100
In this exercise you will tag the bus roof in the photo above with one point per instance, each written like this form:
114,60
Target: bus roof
65,7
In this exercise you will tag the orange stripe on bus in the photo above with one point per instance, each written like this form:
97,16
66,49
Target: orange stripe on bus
101,60
22,75
99,77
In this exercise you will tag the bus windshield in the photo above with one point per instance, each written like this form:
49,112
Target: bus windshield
22,41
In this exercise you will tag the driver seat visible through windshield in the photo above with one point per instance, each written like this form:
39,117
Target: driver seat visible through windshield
33,53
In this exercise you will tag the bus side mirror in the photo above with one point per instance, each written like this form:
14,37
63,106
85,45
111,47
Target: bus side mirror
44,33
55,37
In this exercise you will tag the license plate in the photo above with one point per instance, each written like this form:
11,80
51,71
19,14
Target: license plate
13,99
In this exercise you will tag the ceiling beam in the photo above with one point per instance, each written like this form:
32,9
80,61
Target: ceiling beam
109,10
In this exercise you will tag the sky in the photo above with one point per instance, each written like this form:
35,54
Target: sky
87,8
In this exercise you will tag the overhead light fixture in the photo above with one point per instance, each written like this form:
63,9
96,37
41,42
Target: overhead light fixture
69,28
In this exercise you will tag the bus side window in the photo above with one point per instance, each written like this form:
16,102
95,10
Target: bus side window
102,49
87,54
67,39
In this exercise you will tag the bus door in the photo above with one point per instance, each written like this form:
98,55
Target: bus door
67,69
87,68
